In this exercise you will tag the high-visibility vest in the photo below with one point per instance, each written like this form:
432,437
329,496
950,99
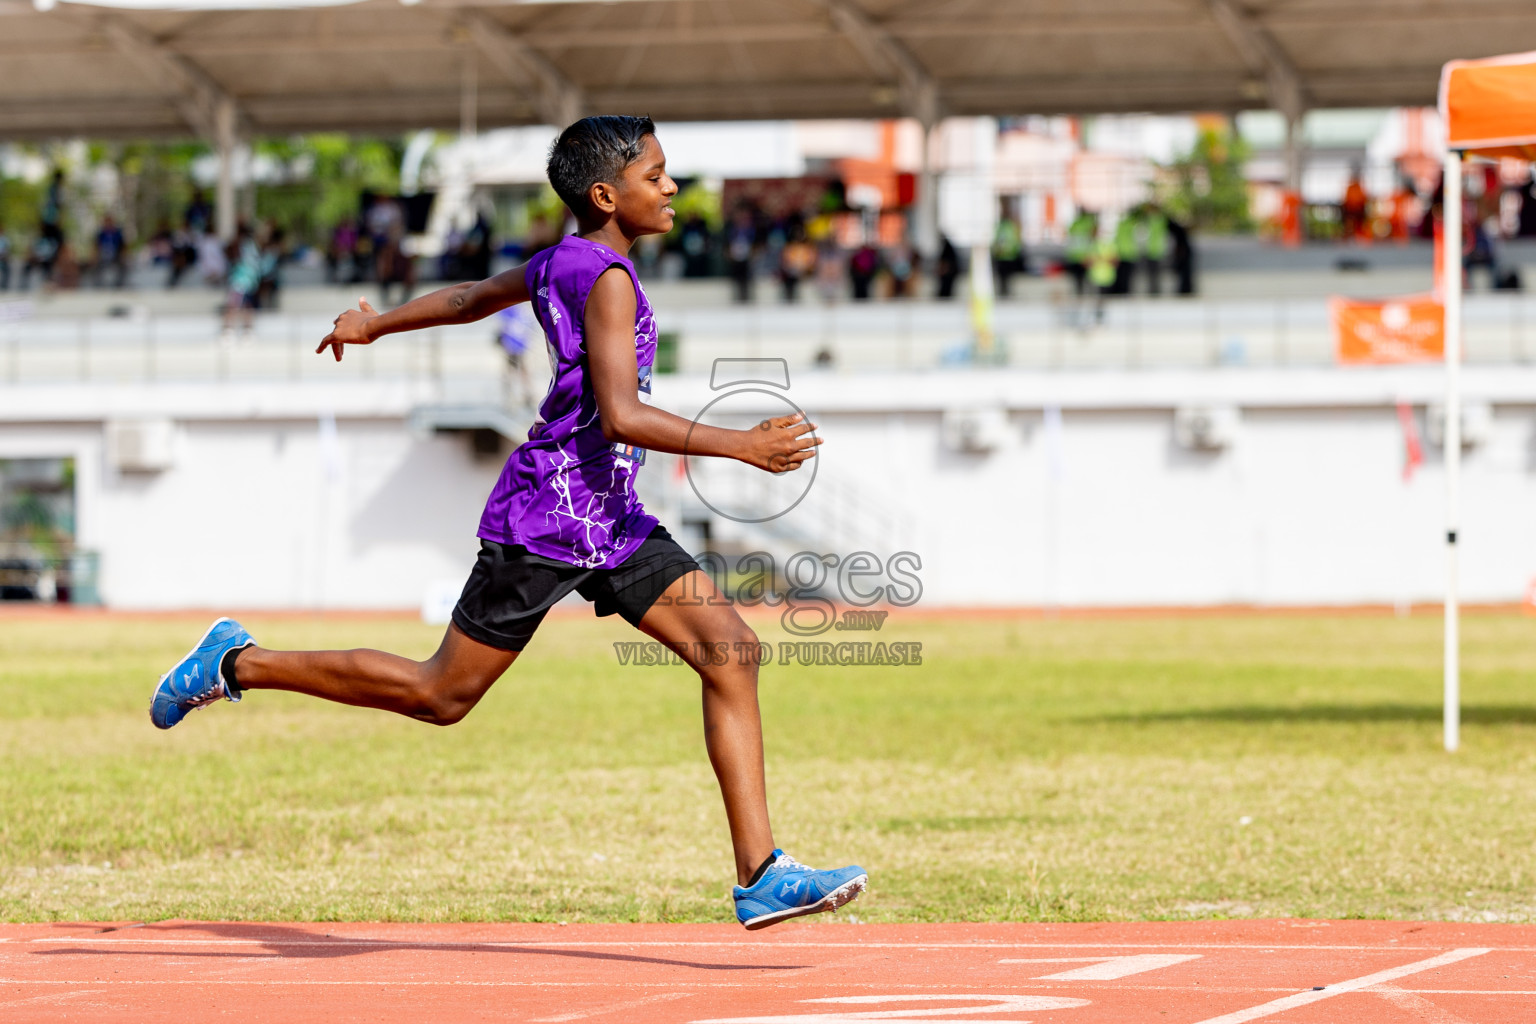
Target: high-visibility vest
1007,243
1102,263
1080,238
1157,235
1125,238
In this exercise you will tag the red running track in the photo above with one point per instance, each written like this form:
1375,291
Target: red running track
1211,972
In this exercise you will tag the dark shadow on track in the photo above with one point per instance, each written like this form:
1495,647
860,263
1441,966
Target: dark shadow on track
294,944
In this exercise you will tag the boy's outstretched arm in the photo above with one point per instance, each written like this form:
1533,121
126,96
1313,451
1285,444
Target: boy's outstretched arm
778,445
456,304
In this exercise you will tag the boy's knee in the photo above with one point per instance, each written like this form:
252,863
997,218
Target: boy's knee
742,636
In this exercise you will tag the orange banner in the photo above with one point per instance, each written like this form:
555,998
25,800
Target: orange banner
1489,106
1406,330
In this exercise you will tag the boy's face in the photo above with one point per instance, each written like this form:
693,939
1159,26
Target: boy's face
641,200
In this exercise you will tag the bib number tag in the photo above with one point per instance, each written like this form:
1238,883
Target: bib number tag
629,453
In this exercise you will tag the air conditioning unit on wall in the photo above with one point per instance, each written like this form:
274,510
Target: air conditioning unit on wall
1476,424
141,446
1206,428
975,430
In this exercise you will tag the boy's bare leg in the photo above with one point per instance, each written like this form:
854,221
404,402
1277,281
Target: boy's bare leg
440,690
733,729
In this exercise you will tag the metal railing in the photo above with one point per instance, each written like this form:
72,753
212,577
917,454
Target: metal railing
1136,332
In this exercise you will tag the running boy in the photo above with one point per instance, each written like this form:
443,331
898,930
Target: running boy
563,516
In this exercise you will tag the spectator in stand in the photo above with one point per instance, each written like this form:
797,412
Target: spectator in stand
273,254
183,255
1127,253
693,240
44,254
1154,246
946,269
475,250
1354,208
740,249
392,264
66,268
212,260
797,260
516,330
902,263
1183,257
1007,247
1079,250
1403,202
198,218
243,257
5,259
51,218
1103,272
342,249
1477,244
863,265
1527,194
111,253
829,269
396,267
1490,200
41,258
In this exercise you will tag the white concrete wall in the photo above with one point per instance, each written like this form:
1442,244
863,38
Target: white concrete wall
1308,506
257,512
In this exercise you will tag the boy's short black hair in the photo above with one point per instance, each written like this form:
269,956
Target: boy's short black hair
595,149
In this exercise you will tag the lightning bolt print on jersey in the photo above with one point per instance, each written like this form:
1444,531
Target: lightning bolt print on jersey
568,493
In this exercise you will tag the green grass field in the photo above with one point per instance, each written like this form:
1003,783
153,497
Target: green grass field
1067,769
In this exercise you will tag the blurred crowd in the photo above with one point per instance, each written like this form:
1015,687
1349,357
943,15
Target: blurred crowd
1495,208
817,247
837,260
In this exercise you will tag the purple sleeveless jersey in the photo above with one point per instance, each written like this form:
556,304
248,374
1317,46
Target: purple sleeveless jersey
568,493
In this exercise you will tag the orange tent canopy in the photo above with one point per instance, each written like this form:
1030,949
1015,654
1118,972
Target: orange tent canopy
1489,106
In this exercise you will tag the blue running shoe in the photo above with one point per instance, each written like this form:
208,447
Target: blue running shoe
790,889
196,680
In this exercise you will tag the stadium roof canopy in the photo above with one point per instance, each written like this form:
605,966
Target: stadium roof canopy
114,68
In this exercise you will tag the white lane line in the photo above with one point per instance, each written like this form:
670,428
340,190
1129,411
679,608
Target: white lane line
1110,968
613,1008
997,1004
700,985
1340,988
736,943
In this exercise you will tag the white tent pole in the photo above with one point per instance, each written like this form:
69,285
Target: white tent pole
1452,437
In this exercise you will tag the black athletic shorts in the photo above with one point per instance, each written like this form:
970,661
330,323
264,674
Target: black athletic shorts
510,589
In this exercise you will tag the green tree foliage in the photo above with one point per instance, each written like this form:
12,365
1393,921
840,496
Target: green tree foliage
321,176
1205,187
156,183
312,183
700,199
20,201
